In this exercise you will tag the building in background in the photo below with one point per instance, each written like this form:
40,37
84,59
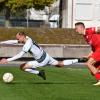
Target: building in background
87,11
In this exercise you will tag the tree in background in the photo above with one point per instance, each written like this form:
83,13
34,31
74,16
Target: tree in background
14,6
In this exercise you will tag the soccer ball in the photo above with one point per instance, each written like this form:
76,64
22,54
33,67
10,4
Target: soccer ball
8,77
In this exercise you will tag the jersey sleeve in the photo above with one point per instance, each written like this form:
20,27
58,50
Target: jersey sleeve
89,32
19,55
9,42
27,45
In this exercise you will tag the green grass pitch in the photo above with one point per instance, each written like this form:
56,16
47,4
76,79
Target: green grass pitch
61,84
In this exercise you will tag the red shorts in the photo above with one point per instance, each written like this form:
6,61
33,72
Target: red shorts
97,64
96,56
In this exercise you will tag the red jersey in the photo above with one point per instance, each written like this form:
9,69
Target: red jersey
92,38
89,33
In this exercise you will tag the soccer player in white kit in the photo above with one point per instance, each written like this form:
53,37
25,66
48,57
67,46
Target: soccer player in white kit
41,57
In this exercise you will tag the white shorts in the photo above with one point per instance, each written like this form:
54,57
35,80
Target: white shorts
47,61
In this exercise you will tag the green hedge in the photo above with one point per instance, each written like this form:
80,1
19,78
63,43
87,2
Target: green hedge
45,35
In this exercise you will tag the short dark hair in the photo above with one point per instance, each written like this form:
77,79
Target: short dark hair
22,33
80,23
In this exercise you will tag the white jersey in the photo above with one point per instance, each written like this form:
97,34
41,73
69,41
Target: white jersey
30,46
40,56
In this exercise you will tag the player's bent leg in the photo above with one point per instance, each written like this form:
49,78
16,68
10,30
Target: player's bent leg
92,68
22,66
30,67
70,61
66,62
60,64
90,64
97,66
56,63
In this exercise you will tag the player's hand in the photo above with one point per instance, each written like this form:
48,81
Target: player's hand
3,61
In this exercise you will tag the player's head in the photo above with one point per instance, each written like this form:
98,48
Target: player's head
21,36
79,27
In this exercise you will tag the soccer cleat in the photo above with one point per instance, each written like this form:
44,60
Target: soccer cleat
82,60
98,83
42,74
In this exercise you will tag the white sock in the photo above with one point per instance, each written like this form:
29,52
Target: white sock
33,71
69,62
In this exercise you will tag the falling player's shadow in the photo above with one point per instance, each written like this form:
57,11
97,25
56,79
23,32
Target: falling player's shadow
54,83
39,83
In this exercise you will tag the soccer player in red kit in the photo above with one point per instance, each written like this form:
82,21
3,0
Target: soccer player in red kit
93,39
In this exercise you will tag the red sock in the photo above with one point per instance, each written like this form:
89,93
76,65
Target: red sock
97,76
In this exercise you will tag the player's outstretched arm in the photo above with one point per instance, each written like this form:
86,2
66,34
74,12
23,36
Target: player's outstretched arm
5,61
19,55
9,42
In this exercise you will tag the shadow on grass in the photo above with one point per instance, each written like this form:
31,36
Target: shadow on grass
39,83
54,83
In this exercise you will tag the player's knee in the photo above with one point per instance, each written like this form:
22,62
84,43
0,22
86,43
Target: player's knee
22,66
86,63
60,64
89,63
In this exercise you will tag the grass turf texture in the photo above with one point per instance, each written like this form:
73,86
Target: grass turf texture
61,84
